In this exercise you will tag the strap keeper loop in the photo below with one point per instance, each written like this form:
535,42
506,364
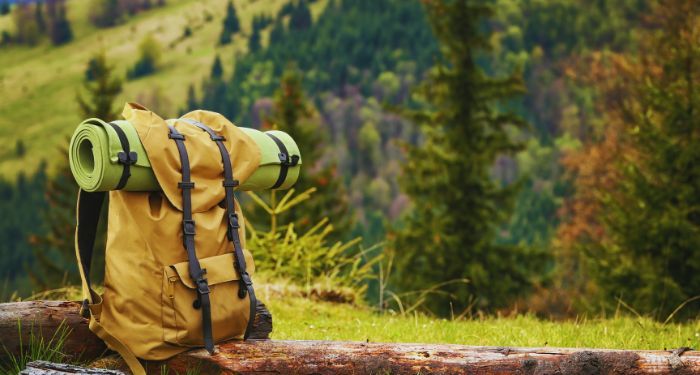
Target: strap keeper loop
217,138
185,185
178,136
231,183
188,227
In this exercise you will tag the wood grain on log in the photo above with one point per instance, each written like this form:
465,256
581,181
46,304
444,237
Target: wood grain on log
329,357
49,368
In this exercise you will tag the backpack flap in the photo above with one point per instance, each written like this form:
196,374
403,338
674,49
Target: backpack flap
182,324
205,158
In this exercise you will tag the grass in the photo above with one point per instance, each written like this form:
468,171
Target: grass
299,318
38,84
303,319
38,348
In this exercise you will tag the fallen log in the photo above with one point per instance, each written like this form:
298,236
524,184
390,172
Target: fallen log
19,321
328,357
49,368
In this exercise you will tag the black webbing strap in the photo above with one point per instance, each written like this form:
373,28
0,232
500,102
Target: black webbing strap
89,207
246,284
197,274
286,161
126,157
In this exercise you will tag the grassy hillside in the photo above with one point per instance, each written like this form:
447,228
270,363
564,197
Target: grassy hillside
38,84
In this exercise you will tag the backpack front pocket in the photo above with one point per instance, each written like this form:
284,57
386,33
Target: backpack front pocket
182,316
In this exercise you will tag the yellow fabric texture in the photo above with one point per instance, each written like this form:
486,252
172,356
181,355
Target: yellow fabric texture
146,309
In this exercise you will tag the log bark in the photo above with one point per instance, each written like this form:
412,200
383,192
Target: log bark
49,368
328,357
21,320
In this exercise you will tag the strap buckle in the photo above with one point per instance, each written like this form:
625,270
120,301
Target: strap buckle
188,227
233,220
245,283
288,160
202,283
127,159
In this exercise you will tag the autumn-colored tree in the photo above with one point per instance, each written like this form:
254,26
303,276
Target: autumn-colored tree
634,220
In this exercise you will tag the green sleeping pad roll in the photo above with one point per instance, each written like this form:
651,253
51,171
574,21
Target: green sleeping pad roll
268,175
94,158
95,150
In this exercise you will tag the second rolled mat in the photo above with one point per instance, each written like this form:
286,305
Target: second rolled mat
97,159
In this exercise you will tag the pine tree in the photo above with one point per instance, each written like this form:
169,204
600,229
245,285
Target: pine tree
150,53
54,250
191,99
301,17
4,8
217,70
277,33
650,258
254,41
106,13
59,26
231,24
39,17
293,115
102,90
450,232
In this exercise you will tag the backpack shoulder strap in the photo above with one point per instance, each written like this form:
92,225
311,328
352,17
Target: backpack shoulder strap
88,217
197,274
246,284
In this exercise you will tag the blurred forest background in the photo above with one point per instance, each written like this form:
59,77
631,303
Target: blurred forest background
503,155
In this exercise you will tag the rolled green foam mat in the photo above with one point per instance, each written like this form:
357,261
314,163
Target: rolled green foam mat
94,159
268,171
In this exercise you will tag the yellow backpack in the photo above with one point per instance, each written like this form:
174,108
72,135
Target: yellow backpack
177,274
